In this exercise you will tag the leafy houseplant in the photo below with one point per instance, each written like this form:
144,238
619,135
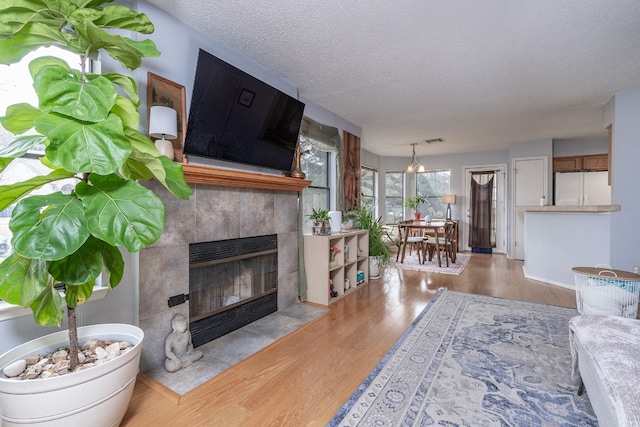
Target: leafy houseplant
320,218
414,202
88,124
378,248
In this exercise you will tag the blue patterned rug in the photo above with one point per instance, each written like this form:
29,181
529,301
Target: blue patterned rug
471,360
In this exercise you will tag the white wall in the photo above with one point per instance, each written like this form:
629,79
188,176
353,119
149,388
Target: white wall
579,147
624,111
557,242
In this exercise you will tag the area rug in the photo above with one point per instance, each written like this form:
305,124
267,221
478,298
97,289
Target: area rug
411,263
471,360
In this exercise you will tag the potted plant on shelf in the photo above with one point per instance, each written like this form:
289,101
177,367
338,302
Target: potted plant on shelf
321,222
379,251
88,124
414,202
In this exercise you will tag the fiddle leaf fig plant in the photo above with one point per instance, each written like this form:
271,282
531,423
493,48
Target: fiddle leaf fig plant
88,124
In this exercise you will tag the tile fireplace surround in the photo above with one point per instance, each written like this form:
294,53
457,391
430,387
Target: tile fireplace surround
214,212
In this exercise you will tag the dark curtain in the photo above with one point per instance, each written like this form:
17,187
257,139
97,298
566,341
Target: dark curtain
480,235
351,170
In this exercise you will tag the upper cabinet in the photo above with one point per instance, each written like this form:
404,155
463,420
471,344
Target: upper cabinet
567,164
594,162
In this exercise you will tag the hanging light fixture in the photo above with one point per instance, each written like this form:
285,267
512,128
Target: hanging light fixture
414,165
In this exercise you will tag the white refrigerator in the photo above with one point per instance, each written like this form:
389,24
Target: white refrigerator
582,188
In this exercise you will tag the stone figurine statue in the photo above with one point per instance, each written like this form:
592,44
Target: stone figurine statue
178,347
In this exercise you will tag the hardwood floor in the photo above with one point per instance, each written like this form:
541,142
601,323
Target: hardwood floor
304,378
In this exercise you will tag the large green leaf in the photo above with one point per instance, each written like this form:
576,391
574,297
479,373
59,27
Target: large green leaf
20,145
127,111
78,294
134,170
20,118
174,178
120,212
124,18
22,279
59,91
48,227
125,51
82,266
169,173
4,161
47,307
42,61
11,193
114,264
127,84
31,37
85,147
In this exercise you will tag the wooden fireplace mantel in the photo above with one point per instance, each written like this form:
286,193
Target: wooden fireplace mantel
200,174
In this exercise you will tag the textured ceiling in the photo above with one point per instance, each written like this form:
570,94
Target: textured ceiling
480,74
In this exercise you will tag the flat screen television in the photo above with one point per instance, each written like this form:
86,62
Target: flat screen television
237,118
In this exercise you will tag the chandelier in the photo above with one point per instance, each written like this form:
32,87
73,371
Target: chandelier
414,165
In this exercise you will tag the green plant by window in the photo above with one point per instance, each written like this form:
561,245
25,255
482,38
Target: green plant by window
414,202
89,126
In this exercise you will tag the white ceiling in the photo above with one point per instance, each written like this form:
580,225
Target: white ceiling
480,74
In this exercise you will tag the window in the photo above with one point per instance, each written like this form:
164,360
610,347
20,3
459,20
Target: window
433,184
16,86
394,196
368,187
315,164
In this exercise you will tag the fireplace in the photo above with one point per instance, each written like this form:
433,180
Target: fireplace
231,284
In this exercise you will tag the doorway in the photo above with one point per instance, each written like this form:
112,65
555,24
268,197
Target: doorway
529,185
498,208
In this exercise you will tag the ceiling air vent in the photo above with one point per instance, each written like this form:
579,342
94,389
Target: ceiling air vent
434,140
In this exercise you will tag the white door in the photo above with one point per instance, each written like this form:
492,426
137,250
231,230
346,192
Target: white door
500,206
529,185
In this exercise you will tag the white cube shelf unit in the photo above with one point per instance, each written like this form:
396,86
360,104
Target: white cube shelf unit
321,273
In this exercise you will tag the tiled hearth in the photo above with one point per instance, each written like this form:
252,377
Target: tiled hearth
226,351
212,213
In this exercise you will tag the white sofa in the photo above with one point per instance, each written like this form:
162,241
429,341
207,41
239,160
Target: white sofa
606,356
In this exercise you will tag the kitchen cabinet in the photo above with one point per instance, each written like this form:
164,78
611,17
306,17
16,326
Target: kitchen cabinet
567,164
596,162
592,162
582,188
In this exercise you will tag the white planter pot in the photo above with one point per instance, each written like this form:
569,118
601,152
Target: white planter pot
374,267
98,396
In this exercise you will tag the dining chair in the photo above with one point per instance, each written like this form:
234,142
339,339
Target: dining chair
445,243
416,241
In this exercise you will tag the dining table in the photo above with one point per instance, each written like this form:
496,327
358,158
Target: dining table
423,227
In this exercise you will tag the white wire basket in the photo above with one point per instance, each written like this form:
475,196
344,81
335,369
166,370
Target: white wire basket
605,291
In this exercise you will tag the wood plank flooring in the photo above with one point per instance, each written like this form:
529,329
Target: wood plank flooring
304,378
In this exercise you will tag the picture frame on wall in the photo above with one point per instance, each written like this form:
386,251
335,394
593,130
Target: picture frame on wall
164,92
246,98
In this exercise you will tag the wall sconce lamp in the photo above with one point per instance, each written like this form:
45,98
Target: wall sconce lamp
415,165
163,125
449,199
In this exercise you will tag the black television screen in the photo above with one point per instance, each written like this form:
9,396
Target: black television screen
237,118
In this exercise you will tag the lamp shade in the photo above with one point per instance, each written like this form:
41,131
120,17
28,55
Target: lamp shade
163,122
449,198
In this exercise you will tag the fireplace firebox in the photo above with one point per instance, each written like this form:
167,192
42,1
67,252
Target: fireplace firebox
231,284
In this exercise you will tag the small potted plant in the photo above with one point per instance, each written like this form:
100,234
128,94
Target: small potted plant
379,251
321,222
414,202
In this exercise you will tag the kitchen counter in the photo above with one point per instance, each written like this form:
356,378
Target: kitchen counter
571,209
558,238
